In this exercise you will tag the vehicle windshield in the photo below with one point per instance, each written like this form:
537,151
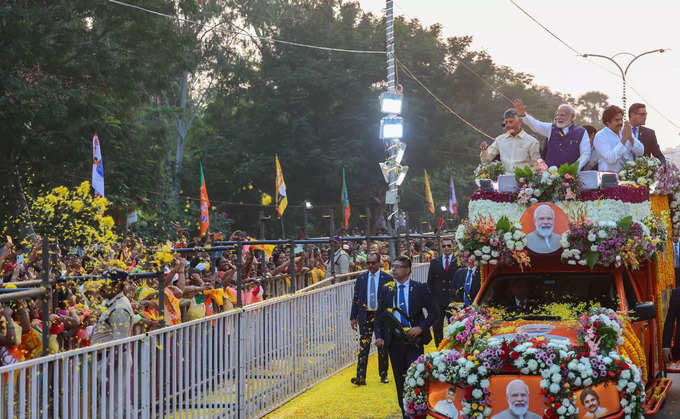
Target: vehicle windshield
527,292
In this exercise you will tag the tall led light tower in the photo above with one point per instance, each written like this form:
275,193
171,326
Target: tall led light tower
392,130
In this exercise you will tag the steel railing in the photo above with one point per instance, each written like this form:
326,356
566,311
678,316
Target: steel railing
238,364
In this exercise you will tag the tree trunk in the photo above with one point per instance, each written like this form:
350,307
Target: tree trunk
181,129
22,205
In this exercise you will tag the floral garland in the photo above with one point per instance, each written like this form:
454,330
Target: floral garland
627,192
547,183
563,371
625,243
488,242
472,327
666,179
624,192
632,348
675,212
641,170
495,196
490,170
600,330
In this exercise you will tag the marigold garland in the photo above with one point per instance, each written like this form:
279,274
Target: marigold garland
665,269
633,348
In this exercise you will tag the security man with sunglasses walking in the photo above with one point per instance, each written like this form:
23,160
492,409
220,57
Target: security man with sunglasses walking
364,307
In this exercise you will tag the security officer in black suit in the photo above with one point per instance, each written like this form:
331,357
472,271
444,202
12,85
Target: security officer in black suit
364,307
410,297
466,282
440,282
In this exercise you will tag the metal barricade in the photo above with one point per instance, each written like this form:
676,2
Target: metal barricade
238,364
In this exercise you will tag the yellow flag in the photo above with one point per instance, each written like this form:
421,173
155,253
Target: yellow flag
428,194
281,198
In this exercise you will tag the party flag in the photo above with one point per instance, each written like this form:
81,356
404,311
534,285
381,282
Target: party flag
97,167
346,211
428,194
281,198
453,205
205,205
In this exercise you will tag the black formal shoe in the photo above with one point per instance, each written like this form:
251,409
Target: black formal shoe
384,380
358,381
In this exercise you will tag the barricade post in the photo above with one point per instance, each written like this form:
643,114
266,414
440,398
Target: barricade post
408,246
45,284
239,274
161,298
291,267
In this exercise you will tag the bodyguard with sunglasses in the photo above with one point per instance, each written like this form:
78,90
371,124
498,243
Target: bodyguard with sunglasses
364,307
414,300
440,282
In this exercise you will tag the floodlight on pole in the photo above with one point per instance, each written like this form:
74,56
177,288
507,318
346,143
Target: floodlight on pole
308,205
390,102
443,208
391,127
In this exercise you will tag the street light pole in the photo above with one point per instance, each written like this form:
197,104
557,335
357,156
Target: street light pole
391,131
624,72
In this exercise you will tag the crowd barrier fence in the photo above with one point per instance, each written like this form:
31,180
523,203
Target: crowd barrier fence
238,364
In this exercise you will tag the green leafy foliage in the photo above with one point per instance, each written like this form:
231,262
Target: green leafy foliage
73,67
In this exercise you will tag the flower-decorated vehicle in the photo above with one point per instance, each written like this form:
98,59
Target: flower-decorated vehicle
568,320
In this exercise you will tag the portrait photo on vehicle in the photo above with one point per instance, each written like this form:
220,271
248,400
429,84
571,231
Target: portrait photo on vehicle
444,401
597,401
544,224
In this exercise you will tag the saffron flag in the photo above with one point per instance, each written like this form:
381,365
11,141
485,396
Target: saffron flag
281,198
205,205
453,205
428,194
346,211
97,167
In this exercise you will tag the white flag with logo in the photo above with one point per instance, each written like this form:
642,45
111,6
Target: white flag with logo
97,167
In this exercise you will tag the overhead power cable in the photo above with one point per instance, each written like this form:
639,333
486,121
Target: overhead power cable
243,32
493,88
441,102
667,119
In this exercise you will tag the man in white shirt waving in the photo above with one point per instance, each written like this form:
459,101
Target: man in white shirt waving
615,145
567,142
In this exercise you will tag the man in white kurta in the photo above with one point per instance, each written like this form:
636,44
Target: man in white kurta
515,146
615,143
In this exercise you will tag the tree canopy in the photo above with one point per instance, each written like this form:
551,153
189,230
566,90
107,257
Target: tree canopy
165,94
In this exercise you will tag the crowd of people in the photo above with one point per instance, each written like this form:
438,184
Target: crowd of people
93,308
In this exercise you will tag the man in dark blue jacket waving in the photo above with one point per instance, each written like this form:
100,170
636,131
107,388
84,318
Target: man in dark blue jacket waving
404,338
364,308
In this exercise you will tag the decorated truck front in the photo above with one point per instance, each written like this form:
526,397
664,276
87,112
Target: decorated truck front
568,320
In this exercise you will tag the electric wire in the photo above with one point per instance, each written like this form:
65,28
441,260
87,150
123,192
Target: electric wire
667,119
441,102
243,32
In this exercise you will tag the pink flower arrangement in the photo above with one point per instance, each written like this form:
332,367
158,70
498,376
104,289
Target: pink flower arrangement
666,179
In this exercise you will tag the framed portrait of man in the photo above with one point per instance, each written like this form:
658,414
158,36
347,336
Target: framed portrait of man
544,224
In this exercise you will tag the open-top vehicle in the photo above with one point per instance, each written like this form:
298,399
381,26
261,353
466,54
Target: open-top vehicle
568,320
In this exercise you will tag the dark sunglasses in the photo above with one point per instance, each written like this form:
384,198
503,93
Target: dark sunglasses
447,245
